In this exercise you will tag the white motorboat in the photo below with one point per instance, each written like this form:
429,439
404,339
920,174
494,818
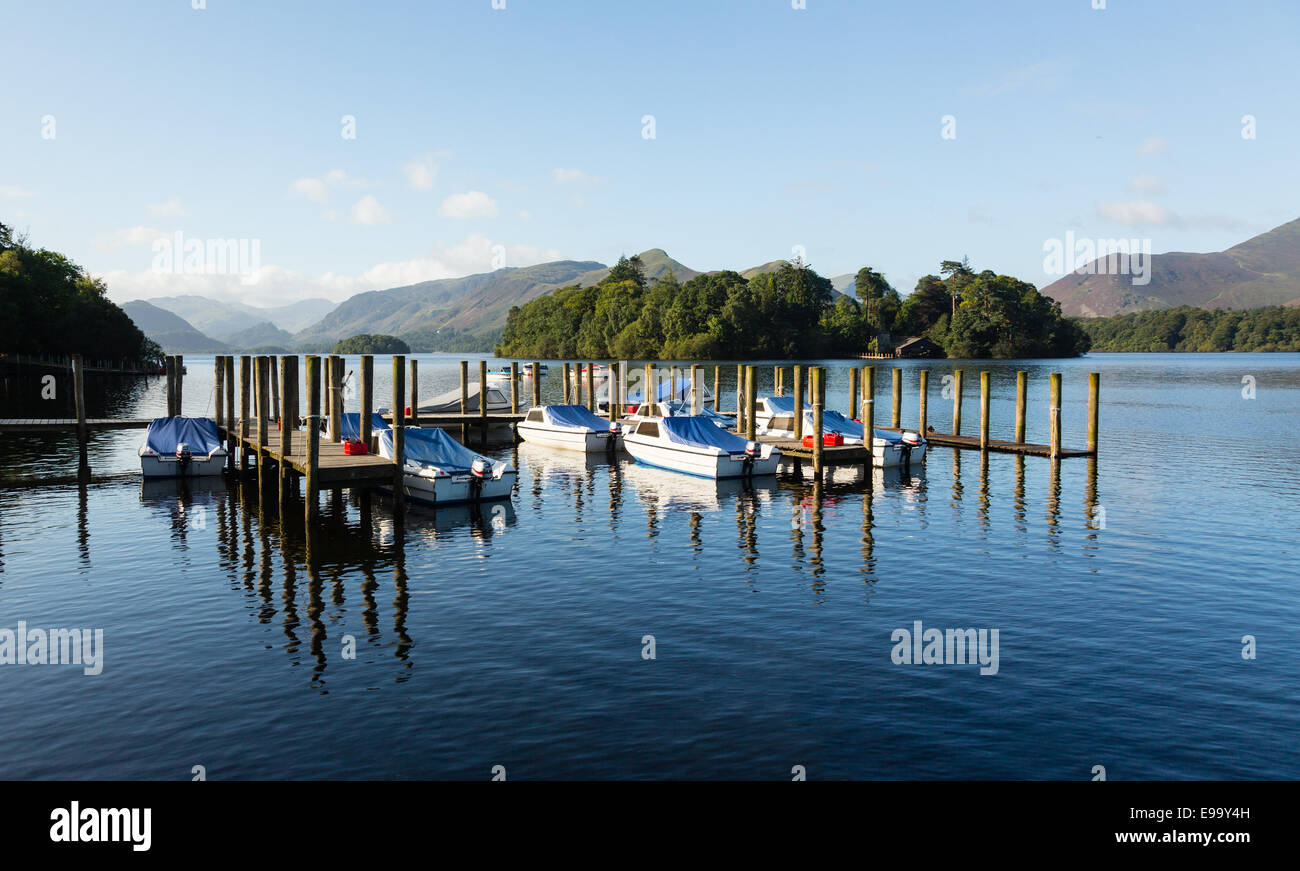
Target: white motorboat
695,446
181,447
888,448
438,470
571,427
669,389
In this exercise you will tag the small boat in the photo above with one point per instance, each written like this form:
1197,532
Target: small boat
439,470
674,389
887,448
350,424
181,447
693,445
572,427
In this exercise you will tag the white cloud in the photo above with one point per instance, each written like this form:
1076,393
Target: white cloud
472,204
169,208
279,286
421,172
1137,212
313,189
1153,145
129,238
367,211
1146,184
13,191
572,176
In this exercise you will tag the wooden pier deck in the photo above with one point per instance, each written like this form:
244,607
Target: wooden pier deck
841,455
972,443
56,424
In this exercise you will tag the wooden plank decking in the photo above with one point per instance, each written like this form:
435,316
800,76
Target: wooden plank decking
54,424
972,443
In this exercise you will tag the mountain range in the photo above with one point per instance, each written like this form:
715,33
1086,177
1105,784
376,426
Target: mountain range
1262,271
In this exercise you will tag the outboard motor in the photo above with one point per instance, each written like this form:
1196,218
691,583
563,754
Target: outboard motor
751,453
612,442
909,440
184,454
478,471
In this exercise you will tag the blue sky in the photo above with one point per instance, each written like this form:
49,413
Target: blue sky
518,133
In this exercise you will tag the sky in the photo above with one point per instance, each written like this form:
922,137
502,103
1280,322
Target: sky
353,146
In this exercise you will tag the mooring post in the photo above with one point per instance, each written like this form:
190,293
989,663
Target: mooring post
245,363
1094,395
717,388
340,405
83,433
818,384
180,384
740,397
751,397
614,392
231,422
1054,412
311,484
482,400
591,387
869,414
514,386
170,368
984,410
275,371
896,415
956,402
647,404
798,401
218,375
415,393
776,380
325,384
288,420
695,389
464,400
399,429
853,389
568,388
367,397
925,401
1021,381
537,384
262,377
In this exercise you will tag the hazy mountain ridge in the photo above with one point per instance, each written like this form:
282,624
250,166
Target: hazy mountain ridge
1262,271
221,319
171,331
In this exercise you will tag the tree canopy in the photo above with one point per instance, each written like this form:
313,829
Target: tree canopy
1186,328
50,305
372,344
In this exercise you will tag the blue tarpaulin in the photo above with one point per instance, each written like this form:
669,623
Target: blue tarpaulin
433,447
576,416
165,433
350,424
699,431
683,409
833,421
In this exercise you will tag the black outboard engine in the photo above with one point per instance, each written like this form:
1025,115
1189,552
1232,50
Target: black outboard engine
751,453
478,471
909,440
184,455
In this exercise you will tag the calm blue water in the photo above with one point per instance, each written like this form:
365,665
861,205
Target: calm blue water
514,637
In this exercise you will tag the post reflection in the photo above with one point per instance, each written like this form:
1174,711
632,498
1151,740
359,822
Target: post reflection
1054,506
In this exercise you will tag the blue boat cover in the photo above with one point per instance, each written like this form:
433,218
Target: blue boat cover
165,433
699,431
576,416
433,447
680,408
783,404
350,425
833,421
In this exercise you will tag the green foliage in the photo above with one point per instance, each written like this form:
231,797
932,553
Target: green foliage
785,313
372,344
50,305
1186,328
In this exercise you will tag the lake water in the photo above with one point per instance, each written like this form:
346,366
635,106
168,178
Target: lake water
1121,590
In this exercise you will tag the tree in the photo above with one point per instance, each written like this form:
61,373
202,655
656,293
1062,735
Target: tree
372,344
628,269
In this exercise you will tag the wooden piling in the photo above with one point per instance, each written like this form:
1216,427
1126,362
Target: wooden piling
717,388
984,410
751,397
399,429
1022,378
245,364
336,408
568,388
956,402
311,483
925,401
288,418
231,422
798,402
262,377
695,389
896,414
817,377
274,372
367,396
537,384
614,391
591,387
647,390
180,384
868,413
415,393
169,367
514,386
1094,396
218,389
853,389
1054,413
740,397
83,433
325,384
777,373
482,400
464,397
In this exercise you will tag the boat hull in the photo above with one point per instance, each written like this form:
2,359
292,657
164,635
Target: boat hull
569,438
170,467
700,463
455,489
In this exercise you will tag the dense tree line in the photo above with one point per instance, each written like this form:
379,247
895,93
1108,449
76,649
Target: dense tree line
50,305
789,312
1186,328
372,344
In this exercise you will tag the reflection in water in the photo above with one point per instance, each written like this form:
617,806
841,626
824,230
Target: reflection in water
83,526
1054,507
1095,516
1018,495
982,513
